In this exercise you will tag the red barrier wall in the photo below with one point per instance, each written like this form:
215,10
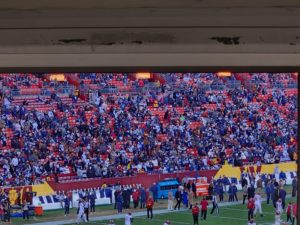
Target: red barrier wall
145,179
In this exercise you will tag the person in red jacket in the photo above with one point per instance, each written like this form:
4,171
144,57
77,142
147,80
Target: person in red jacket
295,209
195,213
250,206
204,204
135,198
149,205
289,213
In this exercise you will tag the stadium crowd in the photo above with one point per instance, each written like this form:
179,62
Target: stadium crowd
181,125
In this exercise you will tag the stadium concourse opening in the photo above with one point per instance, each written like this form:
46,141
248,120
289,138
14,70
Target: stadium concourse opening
78,147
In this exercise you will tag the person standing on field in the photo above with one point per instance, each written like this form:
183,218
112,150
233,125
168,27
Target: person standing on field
195,213
257,201
170,200
80,212
289,213
149,205
190,198
295,212
295,187
250,206
245,192
128,219
135,198
178,197
215,205
204,204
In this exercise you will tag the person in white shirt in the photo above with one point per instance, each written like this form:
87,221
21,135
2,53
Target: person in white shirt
170,200
128,219
279,206
251,222
257,202
277,218
167,222
81,214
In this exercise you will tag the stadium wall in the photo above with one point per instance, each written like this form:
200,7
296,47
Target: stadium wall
145,179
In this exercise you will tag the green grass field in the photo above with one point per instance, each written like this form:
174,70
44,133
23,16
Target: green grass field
229,215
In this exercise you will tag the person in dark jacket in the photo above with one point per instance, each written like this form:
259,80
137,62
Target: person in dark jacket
194,189
178,197
221,192
230,193
275,196
251,192
119,201
234,193
244,181
116,193
67,205
92,199
294,187
282,195
143,198
154,190
210,191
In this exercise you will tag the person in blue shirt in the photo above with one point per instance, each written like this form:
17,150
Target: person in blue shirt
154,190
185,198
234,192
226,182
143,198
221,192
282,195
67,205
92,198
268,190
282,176
119,201
230,194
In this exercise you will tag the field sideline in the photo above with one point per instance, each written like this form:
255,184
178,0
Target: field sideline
229,215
